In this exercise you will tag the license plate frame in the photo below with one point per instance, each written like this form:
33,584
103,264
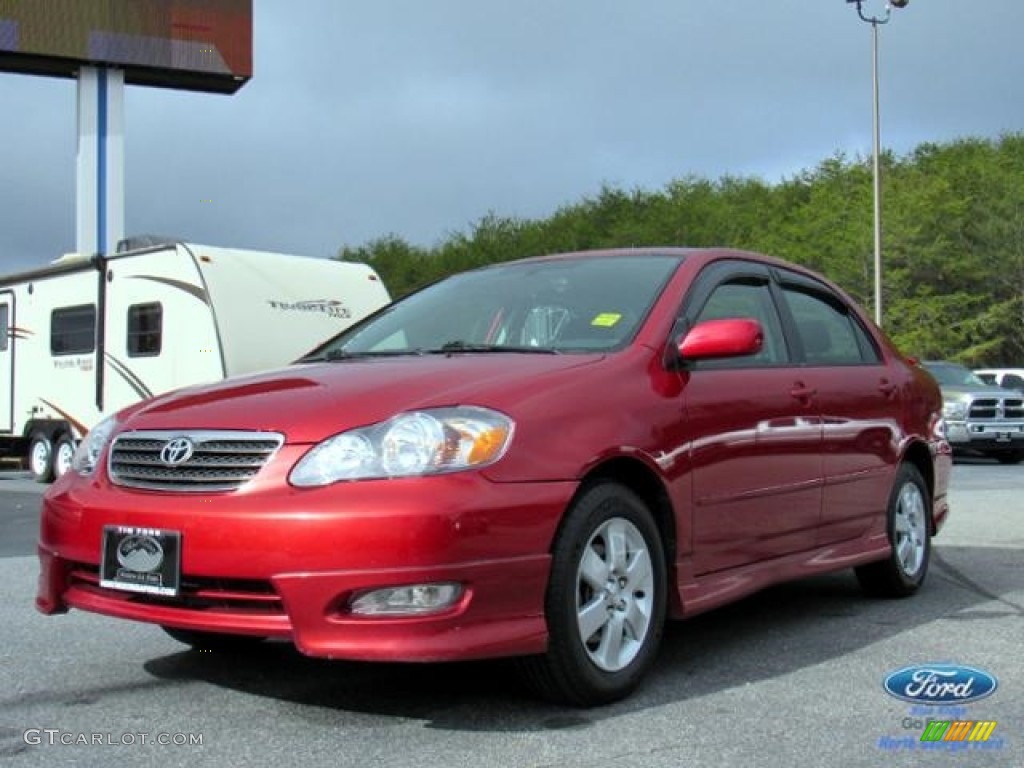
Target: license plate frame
146,560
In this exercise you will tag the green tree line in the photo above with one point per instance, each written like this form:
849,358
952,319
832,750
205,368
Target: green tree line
953,238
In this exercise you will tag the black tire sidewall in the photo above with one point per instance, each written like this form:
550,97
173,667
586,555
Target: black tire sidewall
909,474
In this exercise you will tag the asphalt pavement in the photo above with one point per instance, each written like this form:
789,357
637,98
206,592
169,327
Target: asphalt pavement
790,677
19,513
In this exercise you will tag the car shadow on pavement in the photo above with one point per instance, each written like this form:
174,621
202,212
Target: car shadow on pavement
774,633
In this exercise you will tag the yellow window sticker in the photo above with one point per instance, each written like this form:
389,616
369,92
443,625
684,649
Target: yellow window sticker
606,319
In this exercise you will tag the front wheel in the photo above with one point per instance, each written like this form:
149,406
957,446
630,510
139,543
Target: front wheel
908,525
605,604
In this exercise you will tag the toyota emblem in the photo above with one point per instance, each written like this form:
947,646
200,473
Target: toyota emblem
176,451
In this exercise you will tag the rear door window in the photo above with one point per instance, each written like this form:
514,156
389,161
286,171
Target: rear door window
827,331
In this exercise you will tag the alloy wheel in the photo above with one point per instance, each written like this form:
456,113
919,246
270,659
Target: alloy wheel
615,594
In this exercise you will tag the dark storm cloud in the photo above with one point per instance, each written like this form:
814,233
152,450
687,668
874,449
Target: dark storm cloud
419,117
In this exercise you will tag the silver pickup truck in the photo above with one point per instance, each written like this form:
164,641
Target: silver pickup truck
980,418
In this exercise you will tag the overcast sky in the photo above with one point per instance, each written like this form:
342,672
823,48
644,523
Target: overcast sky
417,117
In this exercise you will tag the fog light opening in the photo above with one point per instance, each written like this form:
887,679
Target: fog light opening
407,600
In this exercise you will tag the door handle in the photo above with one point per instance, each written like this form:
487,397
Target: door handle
887,388
802,392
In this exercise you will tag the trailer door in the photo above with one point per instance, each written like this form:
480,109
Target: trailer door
6,361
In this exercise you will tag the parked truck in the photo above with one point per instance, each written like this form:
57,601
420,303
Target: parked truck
86,336
980,418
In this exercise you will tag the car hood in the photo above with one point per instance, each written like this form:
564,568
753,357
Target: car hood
962,393
310,402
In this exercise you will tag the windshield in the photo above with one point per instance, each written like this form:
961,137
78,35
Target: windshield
561,305
949,375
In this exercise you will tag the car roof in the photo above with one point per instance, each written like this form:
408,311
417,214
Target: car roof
702,254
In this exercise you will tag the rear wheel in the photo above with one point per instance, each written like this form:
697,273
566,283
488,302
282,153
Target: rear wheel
62,456
213,641
605,605
40,457
909,529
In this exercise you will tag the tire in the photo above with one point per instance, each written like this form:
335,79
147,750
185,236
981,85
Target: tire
63,453
908,524
214,641
605,610
1012,457
40,457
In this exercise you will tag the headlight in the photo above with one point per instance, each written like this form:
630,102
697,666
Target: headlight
87,455
954,410
427,442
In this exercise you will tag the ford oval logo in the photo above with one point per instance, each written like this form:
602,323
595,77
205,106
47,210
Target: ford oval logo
939,684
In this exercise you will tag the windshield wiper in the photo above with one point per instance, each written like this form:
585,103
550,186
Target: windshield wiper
458,345
343,354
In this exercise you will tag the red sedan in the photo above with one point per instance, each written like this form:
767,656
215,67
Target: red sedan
544,458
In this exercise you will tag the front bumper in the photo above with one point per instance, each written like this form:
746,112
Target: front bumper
985,436
280,562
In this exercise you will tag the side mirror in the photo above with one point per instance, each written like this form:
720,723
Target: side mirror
734,337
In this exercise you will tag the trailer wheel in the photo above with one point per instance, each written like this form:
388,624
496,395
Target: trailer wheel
62,456
40,457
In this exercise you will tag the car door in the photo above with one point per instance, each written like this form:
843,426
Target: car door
859,398
754,433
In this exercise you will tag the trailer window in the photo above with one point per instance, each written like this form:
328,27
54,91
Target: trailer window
145,329
73,330
4,332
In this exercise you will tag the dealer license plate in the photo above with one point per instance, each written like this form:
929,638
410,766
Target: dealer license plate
141,560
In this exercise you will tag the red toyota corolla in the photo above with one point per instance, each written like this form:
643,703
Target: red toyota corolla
545,458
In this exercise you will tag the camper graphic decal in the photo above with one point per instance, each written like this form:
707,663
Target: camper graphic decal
75,423
126,373
331,307
181,285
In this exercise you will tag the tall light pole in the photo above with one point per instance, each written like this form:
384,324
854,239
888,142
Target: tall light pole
876,22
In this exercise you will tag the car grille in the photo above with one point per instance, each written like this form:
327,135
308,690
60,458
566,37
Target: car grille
997,408
194,461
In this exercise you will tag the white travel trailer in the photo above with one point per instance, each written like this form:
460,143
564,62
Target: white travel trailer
84,337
